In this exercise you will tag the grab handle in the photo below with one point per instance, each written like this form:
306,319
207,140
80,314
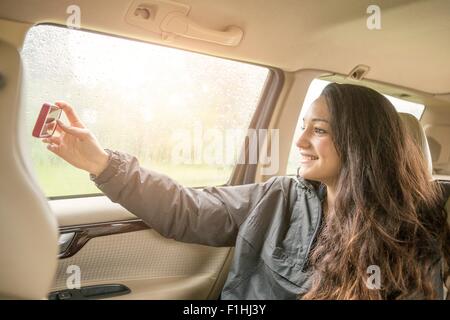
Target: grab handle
177,23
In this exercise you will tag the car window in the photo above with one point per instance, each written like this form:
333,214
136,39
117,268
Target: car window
175,110
313,93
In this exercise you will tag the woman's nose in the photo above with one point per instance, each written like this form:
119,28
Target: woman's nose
303,140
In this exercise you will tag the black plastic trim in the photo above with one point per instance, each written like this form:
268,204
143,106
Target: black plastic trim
90,292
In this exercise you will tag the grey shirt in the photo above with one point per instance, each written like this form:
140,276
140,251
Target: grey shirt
272,225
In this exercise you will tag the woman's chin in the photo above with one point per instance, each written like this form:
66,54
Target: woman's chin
307,174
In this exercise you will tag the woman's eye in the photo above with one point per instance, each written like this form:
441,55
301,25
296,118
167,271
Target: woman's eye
319,131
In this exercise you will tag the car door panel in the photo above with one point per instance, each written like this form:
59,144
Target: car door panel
151,266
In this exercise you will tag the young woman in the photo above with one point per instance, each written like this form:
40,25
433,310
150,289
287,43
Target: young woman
362,205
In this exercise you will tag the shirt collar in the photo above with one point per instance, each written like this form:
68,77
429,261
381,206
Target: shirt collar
312,186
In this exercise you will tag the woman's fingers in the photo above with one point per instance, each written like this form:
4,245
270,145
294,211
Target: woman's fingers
70,114
75,131
59,130
54,148
52,140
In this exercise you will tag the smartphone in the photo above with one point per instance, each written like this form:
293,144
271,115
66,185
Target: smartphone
46,122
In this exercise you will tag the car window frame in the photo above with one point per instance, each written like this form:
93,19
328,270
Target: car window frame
241,173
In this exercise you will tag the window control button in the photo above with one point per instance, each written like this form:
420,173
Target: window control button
64,295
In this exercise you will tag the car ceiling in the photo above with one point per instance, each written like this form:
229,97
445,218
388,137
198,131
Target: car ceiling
411,49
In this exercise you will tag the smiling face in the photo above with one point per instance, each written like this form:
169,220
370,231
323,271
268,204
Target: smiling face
319,159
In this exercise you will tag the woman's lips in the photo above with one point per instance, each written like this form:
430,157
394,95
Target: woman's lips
304,158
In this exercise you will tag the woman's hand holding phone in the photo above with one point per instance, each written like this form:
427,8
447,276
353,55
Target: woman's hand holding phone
76,144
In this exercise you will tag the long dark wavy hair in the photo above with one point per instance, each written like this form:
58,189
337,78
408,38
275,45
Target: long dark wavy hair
387,211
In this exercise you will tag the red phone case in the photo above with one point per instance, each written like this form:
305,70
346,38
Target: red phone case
46,107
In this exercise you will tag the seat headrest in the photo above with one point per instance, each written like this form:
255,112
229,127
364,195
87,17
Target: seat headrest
416,131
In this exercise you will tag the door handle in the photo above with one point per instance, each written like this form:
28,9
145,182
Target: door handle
64,241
